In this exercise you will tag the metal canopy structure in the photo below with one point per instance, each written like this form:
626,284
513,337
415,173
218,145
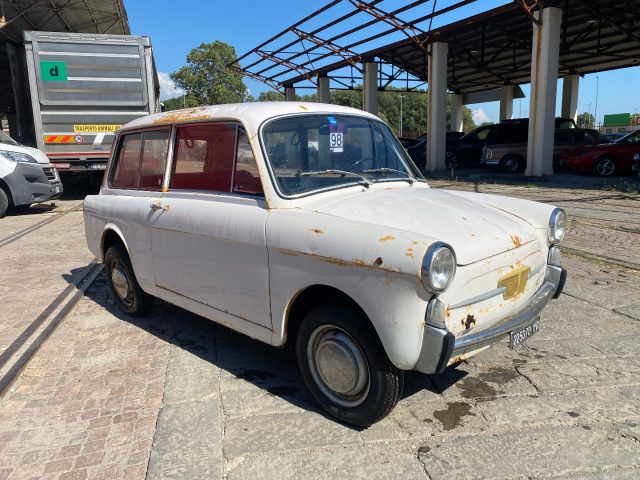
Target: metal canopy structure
486,51
80,16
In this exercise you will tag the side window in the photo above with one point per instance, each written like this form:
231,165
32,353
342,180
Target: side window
204,158
482,134
154,159
128,161
141,160
247,178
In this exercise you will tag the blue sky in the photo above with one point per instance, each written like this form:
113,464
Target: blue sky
177,27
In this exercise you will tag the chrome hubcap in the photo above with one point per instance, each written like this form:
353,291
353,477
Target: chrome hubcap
605,167
338,365
120,282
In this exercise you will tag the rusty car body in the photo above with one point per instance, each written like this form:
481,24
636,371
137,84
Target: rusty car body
308,224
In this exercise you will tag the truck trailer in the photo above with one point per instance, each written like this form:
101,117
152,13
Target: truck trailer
76,90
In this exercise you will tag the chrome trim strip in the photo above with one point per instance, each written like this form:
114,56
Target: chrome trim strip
492,293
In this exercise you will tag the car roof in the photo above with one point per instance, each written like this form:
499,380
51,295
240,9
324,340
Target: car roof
251,114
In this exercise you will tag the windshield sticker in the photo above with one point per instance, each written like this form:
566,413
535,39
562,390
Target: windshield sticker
336,136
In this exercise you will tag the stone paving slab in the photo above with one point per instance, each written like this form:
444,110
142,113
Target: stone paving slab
377,461
531,453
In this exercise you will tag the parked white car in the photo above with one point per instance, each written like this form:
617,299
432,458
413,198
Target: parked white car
26,176
308,224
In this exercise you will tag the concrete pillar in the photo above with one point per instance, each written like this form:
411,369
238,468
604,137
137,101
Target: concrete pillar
506,102
437,114
370,88
290,94
457,108
570,86
324,94
544,78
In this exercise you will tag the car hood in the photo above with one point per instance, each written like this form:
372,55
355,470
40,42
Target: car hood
34,152
475,231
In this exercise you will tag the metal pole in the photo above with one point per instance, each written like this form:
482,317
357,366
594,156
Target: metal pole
400,127
595,115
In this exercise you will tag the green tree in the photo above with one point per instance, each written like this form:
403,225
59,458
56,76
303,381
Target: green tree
586,120
206,78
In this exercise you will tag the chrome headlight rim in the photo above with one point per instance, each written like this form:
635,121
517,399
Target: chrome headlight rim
556,235
427,267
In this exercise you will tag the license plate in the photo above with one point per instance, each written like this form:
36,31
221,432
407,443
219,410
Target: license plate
97,166
520,336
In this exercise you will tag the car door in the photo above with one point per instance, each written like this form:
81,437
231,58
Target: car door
469,148
209,243
135,186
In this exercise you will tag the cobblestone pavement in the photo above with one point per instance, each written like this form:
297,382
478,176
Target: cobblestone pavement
175,396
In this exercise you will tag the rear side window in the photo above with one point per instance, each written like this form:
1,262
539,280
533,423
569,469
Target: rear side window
205,157
247,178
141,160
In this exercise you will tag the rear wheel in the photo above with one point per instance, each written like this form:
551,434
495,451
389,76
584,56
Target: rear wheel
345,366
605,166
123,284
4,203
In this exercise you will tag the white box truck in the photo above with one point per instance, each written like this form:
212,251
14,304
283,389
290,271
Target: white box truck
81,88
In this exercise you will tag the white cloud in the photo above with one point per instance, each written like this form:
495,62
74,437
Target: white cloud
480,116
168,88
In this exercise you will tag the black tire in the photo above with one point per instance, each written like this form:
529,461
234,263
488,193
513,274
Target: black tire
605,166
4,203
450,160
512,163
376,387
125,288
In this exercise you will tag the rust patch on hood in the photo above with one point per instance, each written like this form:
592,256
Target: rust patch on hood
317,231
304,108
386,238
516,240
409,253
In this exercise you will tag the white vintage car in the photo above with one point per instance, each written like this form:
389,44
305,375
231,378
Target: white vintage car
308,224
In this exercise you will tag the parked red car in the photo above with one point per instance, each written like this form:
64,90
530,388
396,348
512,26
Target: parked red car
606,159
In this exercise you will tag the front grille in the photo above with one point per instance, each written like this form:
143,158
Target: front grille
50,172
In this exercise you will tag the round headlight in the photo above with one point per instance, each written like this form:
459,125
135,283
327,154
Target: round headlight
438,267
557,226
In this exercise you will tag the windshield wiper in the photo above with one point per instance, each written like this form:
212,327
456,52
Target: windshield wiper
390,170
336,172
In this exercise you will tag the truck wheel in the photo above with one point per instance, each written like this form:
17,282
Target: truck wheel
345,366
4,203
123,284
512,164
605,166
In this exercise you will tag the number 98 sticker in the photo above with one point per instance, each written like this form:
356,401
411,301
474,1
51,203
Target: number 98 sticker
336,142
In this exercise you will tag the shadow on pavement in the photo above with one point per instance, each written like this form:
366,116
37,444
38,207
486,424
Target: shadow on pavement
273,370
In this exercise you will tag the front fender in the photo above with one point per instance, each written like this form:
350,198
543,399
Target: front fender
379,268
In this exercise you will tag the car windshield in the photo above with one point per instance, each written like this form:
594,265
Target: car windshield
309,153
633,137
4,138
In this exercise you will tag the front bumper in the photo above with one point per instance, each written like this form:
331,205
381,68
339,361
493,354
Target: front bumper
31,183
439,345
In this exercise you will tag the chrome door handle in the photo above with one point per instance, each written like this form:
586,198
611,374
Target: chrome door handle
156,206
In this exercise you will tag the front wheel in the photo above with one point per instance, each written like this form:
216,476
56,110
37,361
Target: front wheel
604,167
345,366
4,203
123,284
512,164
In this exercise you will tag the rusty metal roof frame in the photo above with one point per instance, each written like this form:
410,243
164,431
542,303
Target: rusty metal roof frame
81,16
274,59
486,50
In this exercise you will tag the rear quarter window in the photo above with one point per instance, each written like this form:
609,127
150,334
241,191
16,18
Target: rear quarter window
141,160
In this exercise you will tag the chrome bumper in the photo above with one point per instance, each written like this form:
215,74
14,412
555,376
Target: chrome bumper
440,345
